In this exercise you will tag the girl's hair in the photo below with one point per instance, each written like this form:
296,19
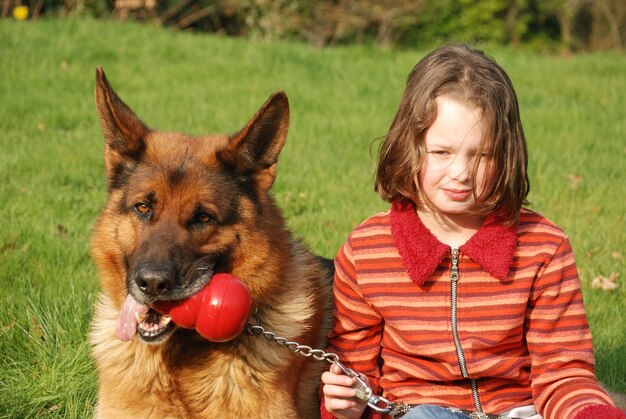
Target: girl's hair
468,76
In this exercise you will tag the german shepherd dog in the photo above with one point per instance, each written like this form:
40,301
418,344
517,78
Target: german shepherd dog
179,210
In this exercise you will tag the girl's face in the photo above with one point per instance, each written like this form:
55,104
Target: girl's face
452,144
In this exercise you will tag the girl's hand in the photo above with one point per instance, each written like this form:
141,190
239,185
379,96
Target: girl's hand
339,396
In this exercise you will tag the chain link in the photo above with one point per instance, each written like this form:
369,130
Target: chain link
364,392
304,350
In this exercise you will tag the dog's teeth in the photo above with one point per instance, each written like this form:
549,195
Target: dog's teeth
165,320
140,317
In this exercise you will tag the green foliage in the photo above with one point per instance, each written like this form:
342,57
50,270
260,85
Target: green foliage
342,99
465,20
545,25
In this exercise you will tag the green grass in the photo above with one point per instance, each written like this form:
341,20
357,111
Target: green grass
52,181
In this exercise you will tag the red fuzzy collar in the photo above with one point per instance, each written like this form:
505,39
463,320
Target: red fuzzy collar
492,246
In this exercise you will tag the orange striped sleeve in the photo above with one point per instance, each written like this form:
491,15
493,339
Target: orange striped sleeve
559,340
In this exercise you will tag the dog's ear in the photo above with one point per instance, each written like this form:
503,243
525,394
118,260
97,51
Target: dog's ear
124,133
253,151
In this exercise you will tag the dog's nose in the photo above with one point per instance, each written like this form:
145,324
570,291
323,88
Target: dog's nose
153,281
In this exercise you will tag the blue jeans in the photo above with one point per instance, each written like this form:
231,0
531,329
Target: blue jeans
430,411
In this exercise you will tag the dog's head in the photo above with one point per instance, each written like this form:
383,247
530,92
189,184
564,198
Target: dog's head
181,208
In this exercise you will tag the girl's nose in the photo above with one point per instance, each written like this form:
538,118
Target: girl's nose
459,168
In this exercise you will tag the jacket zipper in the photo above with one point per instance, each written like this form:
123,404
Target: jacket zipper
454,275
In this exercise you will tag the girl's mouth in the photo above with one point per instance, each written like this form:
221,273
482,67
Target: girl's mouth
458,194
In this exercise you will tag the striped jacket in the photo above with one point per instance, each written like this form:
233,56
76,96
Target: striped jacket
496,324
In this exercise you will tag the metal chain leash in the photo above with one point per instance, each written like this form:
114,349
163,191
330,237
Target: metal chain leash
363,391
304,350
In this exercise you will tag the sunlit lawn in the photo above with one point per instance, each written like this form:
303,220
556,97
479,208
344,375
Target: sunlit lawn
342,100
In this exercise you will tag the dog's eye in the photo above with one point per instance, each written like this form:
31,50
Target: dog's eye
203,218
142,208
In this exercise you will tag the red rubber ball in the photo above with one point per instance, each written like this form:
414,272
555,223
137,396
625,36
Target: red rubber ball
219,311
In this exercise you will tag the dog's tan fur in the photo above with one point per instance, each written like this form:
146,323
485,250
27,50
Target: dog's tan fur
187,376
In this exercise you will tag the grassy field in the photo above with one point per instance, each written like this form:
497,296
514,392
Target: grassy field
52,182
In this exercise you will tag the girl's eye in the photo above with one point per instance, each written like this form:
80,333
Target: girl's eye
438,152
142,208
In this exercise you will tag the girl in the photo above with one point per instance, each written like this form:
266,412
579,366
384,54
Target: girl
457,296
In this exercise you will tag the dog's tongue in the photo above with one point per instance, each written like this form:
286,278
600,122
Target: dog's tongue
127,321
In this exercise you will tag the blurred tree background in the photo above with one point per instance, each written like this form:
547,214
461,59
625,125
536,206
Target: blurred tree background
552,25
